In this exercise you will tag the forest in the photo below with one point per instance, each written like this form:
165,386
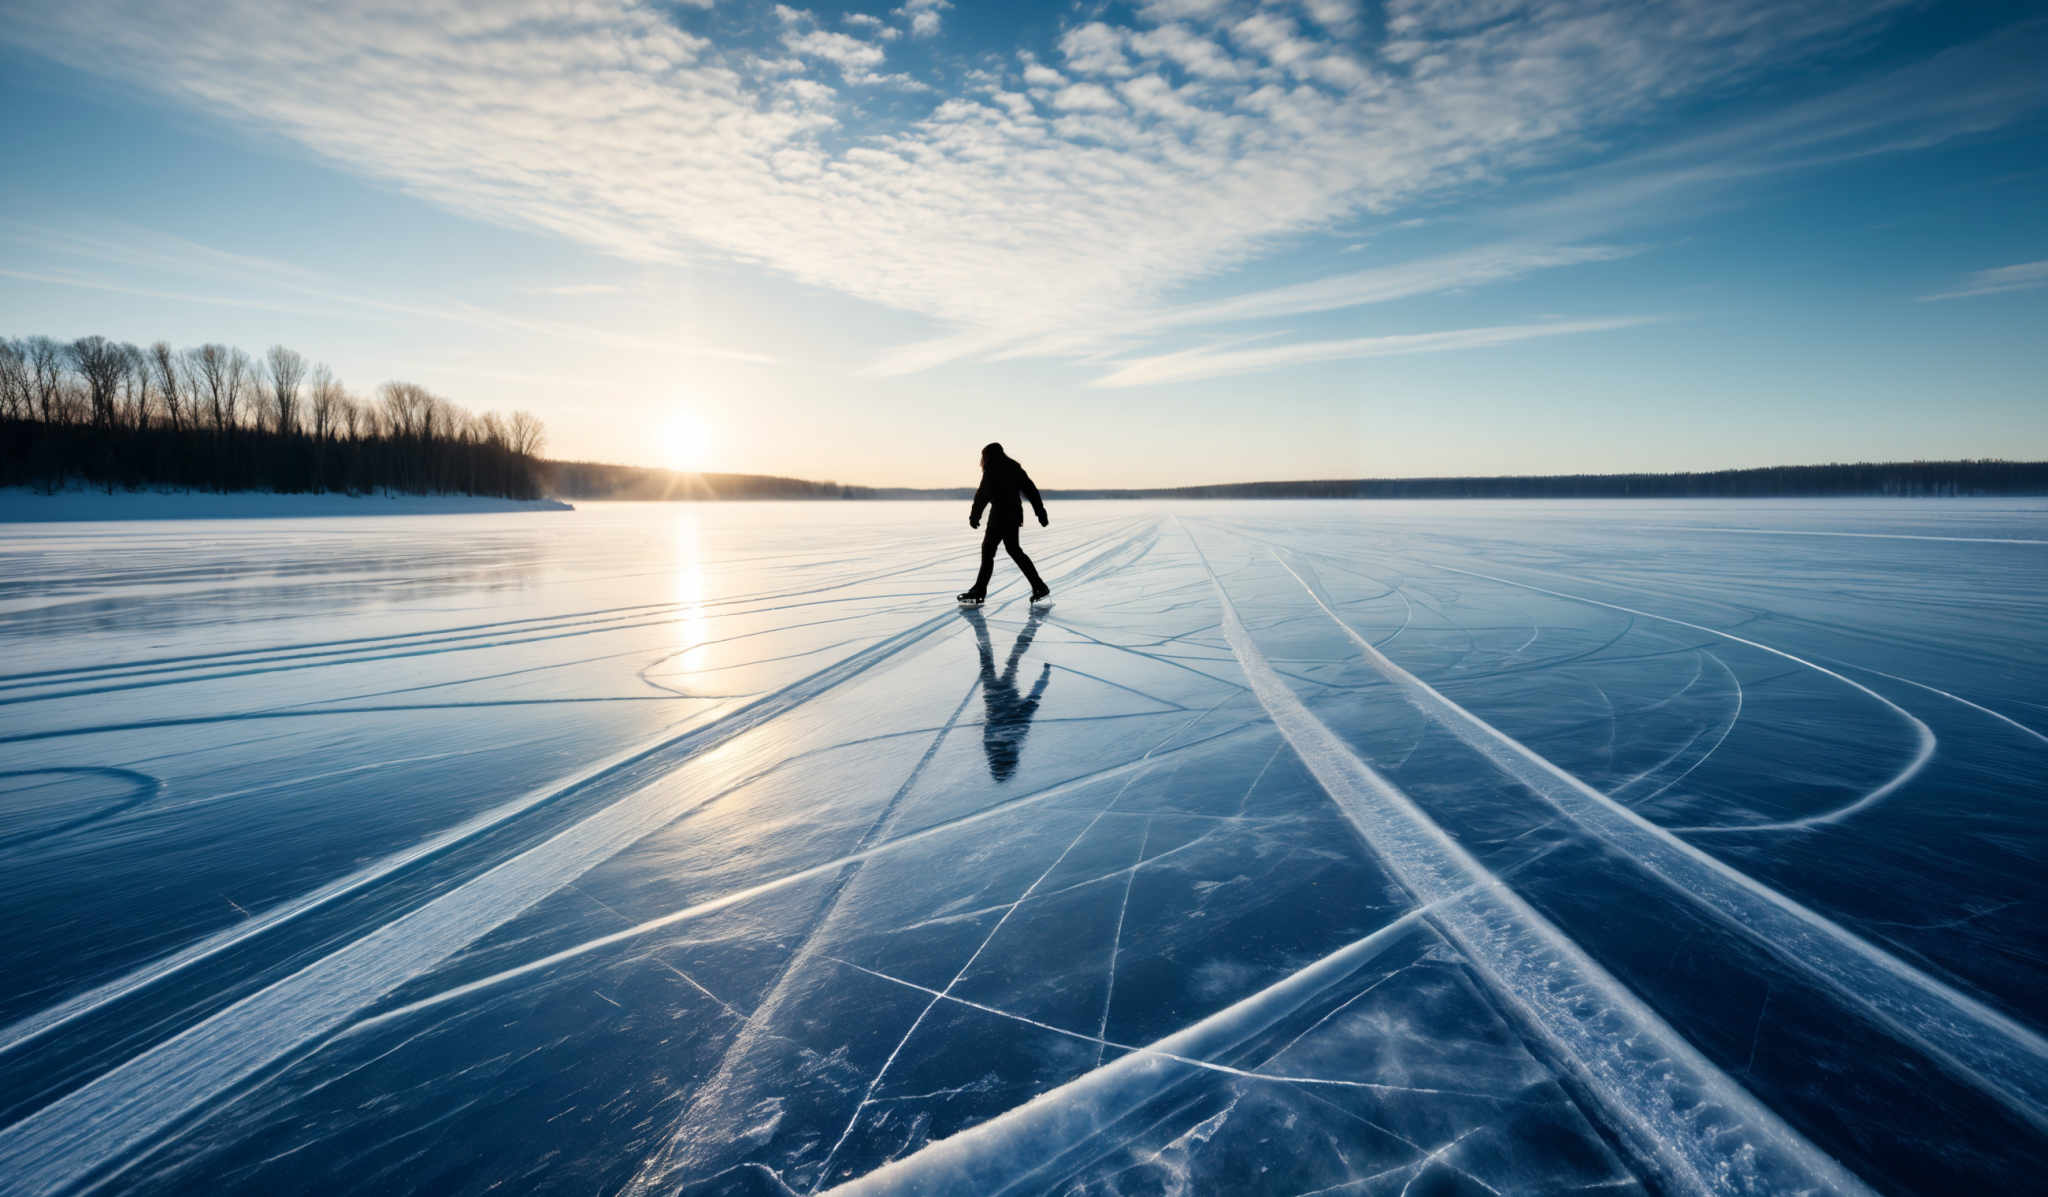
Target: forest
103,413
1894,479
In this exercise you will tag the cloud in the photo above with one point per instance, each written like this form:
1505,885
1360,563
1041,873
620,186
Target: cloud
1338,16
849,53
1095,49
263,280
1175,10
1192,364
923,15
1037,74
1007,219
1482,266
1188,50
1384,284
1091,97
1273,36
2026,276
1964,90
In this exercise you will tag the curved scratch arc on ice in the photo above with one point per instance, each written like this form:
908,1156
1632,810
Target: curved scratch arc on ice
1975,706
1923,735
1728,728
1978,1043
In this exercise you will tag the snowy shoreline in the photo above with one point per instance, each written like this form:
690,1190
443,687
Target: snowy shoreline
22,505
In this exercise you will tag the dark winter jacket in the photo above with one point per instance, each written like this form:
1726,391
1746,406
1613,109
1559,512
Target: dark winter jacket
1003,481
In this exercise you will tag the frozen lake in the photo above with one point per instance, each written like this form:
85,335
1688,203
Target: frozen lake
1298,848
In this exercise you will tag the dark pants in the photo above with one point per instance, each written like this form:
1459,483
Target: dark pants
997,534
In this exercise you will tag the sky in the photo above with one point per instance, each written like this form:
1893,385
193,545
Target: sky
1170,242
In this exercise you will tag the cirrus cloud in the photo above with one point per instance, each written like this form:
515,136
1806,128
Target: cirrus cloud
1022,206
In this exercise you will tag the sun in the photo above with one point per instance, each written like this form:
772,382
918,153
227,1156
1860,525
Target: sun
685,442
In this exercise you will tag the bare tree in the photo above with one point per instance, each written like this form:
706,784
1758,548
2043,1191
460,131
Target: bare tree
324,397
173,383
211,366
352,417
287,371
74,405
46,375
138,392
101,365
525,434
241,381
406,409
435,416
14,384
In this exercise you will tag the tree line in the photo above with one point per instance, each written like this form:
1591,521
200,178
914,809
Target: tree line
212,417
1899,479
602,480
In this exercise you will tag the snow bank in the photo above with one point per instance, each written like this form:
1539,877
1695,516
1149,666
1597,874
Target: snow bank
22,505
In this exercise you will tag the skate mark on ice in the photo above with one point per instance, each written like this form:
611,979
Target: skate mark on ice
2008,720
128,1104
1116,941
1734,717
1923,735
1703,1132
755,1028
142,787
825,1169
1978,1043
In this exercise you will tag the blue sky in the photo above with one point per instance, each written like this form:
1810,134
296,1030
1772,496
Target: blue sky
1169,242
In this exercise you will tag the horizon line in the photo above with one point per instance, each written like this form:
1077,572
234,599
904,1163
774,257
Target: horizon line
1357,480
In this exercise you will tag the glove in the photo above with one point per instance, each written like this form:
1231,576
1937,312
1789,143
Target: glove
1041,520
973,522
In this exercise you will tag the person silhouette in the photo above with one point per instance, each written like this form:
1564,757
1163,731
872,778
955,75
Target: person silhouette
1004,485
1007,713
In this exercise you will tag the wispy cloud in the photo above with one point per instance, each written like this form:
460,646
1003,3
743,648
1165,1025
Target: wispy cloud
2025,276
578,289
1023,205
267,280
1406,280
1191,364
1961,91
1427,276
118,287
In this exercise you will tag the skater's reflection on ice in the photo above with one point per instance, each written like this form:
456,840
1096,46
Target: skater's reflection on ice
1009,712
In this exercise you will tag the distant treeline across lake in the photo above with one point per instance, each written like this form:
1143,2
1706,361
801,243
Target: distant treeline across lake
107,414
101,413
1914,479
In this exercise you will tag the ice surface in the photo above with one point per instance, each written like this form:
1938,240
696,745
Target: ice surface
1351,848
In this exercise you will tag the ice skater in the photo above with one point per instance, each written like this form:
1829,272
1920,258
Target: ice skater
1004,486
